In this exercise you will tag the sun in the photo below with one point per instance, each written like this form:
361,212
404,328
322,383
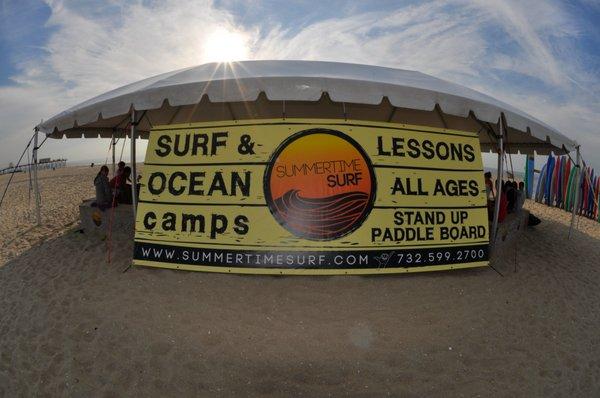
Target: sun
223,45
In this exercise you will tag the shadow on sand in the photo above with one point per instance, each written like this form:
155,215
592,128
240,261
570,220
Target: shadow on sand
72,324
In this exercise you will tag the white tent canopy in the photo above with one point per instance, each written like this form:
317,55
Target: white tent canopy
308,89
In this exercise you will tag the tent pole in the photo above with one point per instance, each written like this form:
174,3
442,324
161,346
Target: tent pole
133,161
35,178
577,187
498,181
113,144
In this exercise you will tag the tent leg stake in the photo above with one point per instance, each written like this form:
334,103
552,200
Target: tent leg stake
498,272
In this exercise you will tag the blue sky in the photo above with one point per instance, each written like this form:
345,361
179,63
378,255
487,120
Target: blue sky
542,56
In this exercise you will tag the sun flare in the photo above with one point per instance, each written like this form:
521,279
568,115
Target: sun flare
223,45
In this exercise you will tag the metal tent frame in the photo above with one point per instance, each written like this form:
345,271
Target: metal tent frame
288,89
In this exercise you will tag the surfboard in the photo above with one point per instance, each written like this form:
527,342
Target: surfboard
560,182
559,187
549,175
598,198
570,188
555,178
585,190
540,189
557,167
597,213
550,187
589,189
591,186
597,204
529,176
566,182
581,187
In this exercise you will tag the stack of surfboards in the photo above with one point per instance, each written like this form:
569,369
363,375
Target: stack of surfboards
558,182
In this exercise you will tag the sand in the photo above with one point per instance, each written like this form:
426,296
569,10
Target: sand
62,190
73,325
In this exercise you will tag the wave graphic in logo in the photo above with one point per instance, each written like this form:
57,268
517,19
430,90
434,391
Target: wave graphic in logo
321,218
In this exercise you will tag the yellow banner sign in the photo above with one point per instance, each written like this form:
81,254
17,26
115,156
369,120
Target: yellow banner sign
311,197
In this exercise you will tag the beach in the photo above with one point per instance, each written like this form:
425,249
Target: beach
62,190
72,324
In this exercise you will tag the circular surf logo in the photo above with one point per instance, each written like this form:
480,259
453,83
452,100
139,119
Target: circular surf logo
320,184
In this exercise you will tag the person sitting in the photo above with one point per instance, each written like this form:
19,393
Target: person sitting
122,189
120,167
118,172
520,197
103,191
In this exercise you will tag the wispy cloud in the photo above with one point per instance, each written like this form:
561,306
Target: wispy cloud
525,53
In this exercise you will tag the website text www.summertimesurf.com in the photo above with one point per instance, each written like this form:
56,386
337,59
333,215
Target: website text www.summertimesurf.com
416,257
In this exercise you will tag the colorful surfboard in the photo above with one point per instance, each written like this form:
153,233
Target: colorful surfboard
549,175
541,185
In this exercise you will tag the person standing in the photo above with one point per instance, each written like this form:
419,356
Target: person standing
489,194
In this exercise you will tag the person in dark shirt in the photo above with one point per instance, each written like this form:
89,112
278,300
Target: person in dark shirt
520,197
122,189
118,172
511,195
120,167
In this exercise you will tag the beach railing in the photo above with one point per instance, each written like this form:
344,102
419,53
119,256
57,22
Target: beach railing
46,165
